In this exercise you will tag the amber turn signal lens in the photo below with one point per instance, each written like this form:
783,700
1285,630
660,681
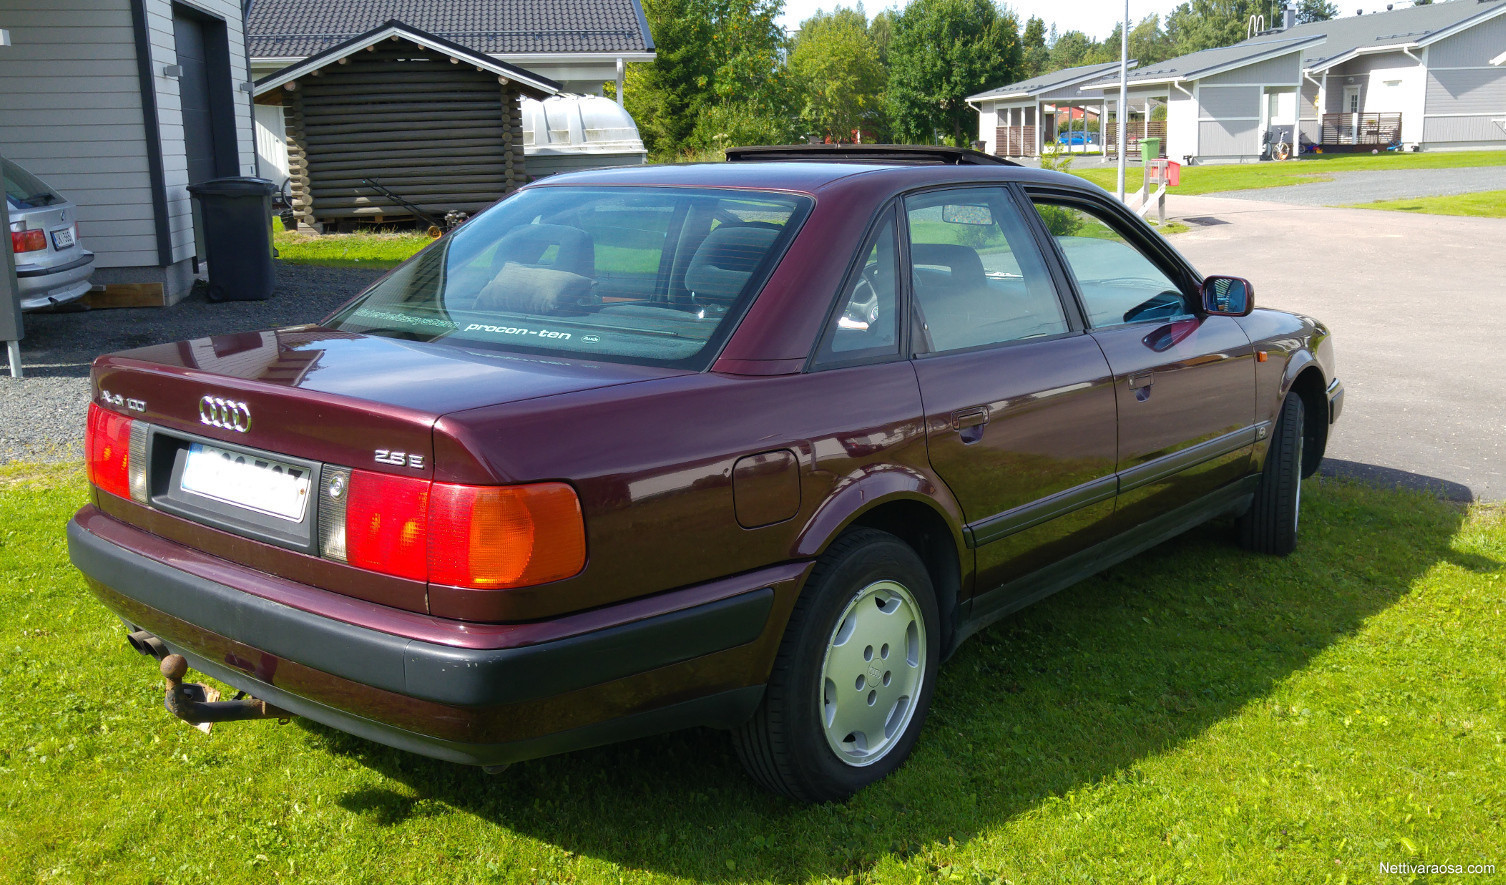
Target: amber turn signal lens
491,537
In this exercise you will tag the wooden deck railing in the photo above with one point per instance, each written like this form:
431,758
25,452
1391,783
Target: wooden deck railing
1378,129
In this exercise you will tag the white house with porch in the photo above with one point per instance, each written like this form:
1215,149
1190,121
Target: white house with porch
1018,119
1421,78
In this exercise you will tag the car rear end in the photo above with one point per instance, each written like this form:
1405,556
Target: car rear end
311,516
52,267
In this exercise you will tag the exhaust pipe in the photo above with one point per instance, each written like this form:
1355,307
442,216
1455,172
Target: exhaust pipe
196,704
147,644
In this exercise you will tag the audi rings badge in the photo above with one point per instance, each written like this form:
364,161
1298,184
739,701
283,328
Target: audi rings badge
225,413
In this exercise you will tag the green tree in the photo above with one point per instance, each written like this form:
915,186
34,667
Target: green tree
1070,50
836,73
1206,24
718,61
1318,11
1035,58
881,30
1148,44
942,52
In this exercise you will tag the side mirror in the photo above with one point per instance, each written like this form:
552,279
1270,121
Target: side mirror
1228,296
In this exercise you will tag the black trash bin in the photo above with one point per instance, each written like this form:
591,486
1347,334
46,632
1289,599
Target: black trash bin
237,218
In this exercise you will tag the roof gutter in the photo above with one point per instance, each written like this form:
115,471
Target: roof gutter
1177,84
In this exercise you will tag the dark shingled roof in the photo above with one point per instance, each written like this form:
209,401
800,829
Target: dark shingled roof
1052,81
1340,37
300,28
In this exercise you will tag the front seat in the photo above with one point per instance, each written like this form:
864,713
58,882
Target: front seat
724,262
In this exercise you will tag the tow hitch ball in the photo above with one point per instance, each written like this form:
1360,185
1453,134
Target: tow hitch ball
198,704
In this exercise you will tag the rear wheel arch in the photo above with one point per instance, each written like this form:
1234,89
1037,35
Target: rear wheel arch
914,509
926,531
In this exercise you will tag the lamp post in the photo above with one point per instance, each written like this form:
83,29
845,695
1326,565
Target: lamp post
1123,92
10,303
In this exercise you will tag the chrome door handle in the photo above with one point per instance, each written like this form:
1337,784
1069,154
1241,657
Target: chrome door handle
962,419
1144,379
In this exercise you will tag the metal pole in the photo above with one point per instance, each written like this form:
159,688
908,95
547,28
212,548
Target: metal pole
1123,92
11,331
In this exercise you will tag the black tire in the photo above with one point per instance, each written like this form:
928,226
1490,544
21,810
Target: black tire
785,746
1270,525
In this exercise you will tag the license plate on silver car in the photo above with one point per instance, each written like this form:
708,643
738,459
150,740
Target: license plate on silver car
249,481
62,238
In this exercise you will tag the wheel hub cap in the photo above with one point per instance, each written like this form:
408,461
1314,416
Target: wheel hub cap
872,674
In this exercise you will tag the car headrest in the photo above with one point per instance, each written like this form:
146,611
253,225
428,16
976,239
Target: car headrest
527,245
726,259
963,261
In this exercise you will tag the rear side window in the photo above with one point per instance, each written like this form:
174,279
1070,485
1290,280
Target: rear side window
654,276
978,277
866,325
24,190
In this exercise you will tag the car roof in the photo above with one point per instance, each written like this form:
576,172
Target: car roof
807,176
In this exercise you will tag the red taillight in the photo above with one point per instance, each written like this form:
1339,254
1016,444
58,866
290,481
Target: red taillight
386,524
27,241
504,536
483,537
107,451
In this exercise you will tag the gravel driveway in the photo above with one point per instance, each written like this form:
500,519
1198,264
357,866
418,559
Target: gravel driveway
42,414
1380,184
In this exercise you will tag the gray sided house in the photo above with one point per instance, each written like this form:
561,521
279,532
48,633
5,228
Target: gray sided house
1018,119
577,44
1423,77
119,104
398,123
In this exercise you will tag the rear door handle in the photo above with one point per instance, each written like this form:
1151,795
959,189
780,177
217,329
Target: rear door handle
1144,379
976,416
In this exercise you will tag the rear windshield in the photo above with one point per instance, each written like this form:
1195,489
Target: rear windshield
653,276
24,190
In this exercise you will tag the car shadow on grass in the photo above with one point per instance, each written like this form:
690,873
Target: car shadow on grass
1076,690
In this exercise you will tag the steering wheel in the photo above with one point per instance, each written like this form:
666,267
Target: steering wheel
862,308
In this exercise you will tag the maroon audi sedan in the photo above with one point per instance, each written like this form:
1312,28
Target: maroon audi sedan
752,445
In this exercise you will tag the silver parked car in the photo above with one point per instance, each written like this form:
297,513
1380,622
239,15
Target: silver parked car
51,266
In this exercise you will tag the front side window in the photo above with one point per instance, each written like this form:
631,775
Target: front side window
978,278
1118,283
653,276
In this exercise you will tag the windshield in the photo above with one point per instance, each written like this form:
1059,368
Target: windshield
653,276
24,190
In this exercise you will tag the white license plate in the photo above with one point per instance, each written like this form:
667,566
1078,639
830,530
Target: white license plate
63,238
249,481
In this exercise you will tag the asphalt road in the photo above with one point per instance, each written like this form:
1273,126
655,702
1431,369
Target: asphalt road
1417,304
1348,188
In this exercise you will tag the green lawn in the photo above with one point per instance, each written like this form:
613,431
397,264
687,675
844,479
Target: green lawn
381,250
1245,176
1198,714
1485,204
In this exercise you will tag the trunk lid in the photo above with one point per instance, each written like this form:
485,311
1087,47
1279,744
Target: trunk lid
307,400
332,396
